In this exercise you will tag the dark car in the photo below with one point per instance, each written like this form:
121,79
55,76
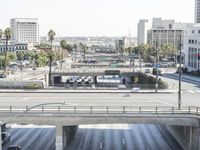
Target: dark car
14,148
3,75
155,71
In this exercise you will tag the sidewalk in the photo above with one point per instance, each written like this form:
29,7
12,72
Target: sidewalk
84,91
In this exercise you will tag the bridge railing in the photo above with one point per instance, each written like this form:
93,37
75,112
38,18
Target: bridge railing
101,110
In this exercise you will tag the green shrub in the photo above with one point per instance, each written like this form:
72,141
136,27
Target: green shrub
32,86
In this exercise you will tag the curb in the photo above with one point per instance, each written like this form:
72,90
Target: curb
100,92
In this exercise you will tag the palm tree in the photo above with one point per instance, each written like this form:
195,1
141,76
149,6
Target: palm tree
63,45
51,35
1,34
7,34
84,47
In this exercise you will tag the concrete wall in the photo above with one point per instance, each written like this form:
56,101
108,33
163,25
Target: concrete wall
186,136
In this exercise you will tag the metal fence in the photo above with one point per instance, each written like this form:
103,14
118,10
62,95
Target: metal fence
101,110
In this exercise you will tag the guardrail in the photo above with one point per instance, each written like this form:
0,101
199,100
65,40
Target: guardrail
101,110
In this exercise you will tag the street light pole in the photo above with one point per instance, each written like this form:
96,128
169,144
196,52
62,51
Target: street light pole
50,67
180,74
157,60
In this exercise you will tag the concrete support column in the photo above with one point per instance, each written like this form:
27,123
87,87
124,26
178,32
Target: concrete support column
59,137
64,134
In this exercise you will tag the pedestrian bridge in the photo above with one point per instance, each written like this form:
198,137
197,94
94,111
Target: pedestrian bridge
183,124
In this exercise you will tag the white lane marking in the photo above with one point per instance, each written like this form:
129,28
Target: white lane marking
26,98
101,145
165,103
191,91
123,141
197,91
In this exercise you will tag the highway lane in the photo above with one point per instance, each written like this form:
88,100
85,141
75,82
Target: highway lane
32,137
123,137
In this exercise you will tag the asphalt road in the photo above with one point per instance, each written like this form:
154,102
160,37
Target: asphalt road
133,137
123,137
96,137
32,137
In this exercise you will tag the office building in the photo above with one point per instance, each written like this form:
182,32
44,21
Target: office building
142,32
191,48
197,11
25,30
166,31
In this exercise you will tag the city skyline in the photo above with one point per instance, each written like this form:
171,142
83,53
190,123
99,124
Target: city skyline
94,18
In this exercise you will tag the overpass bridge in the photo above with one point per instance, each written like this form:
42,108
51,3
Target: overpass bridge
183,124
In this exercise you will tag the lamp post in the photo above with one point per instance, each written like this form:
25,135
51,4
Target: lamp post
28,109
180,74
157,61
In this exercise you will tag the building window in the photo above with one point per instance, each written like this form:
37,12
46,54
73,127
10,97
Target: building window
193,32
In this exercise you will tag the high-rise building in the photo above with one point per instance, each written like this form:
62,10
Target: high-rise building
142,32
25,30
197,11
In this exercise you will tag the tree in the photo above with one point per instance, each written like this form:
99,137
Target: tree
128,50
75,46
167,50
1,34
147,52
7,34
84,47
51,35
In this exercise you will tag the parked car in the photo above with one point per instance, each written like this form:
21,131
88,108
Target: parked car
14,148
3,75
147,70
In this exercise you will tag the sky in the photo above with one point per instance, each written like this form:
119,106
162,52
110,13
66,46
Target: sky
94,17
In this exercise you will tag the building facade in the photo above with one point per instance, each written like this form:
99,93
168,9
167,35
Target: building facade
167,31
142,32
197,11
191,48
12,46
25,30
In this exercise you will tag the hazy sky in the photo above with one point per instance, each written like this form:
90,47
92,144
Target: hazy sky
94,17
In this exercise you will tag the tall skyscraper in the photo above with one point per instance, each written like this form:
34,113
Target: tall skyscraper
142,32
197,11
25,30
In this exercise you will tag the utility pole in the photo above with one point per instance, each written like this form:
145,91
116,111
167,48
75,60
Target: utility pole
180,74
50,66
157,60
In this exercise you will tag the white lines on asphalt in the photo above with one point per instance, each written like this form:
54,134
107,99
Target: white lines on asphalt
191,91
26,98
123,141
101,145
165,103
